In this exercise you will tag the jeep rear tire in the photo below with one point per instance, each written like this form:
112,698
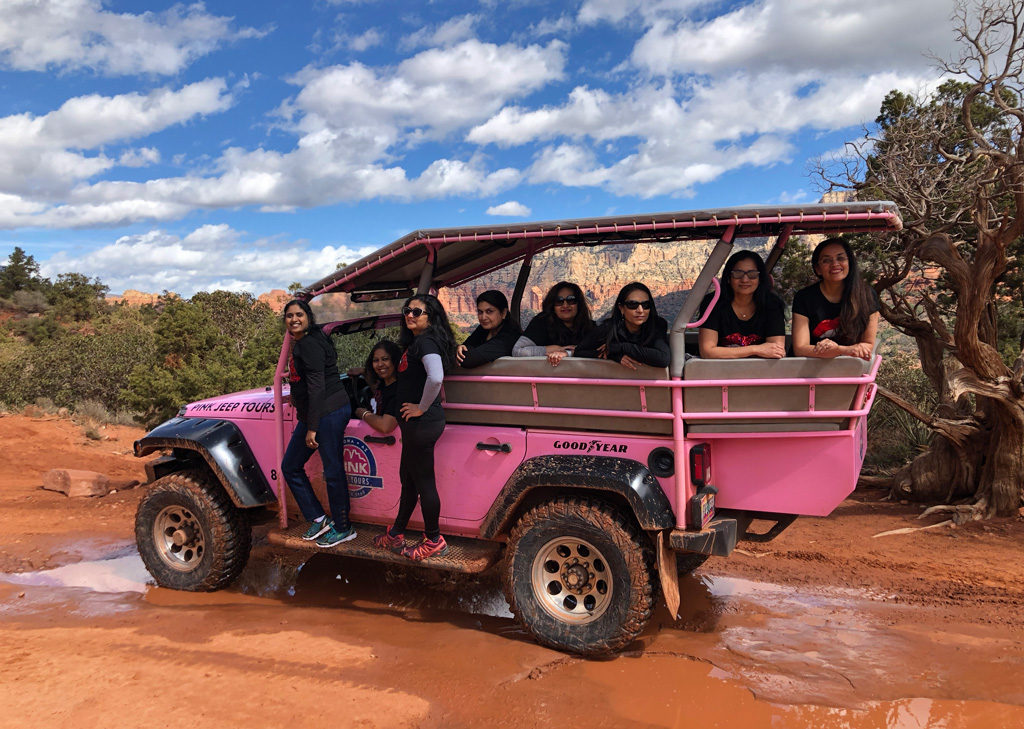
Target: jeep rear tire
189,534
579,576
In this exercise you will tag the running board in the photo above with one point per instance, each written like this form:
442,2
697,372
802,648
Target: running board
464,555
718,538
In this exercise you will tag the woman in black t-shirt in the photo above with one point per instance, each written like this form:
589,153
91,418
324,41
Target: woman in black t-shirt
382,375
429,351
563,321
495,335
322,410
748,320
633,335
838,316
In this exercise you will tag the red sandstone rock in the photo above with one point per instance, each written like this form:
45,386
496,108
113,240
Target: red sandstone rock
76,483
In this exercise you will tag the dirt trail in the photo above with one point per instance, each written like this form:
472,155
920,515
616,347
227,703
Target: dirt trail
824,627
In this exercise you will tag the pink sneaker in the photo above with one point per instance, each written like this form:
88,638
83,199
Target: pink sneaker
425,549
390,543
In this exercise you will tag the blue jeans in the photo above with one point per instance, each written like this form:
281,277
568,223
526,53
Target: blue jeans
331,438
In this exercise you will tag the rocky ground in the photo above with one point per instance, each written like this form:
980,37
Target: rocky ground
826,626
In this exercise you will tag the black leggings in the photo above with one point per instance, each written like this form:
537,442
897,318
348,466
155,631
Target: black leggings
416,471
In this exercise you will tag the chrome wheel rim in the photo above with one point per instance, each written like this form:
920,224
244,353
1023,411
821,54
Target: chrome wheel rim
179,538
571,580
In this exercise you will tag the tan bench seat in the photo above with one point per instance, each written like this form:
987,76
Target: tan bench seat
777,398
552,393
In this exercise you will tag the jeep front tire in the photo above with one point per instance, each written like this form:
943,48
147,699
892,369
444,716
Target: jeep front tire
579,576
190,535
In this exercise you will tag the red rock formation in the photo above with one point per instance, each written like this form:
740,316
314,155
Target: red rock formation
275,299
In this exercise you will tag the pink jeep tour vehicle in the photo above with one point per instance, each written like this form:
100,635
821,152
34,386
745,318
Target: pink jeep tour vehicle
589,486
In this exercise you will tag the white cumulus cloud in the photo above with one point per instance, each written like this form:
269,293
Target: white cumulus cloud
510,209
37,35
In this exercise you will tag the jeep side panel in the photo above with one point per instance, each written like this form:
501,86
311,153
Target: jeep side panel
222,446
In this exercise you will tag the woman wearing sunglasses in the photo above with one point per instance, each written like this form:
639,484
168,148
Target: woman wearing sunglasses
563,321
748,320
633,335
429,350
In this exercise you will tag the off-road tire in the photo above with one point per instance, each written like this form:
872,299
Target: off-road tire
219,533
627,565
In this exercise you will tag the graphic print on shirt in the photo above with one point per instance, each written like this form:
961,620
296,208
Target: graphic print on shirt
742,340
403,364
293,374
827,329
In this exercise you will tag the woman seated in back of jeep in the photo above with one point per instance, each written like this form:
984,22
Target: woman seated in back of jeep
382,376
560,326
494,337
633,335
838,316
748,320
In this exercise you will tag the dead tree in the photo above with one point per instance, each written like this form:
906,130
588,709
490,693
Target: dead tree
954,163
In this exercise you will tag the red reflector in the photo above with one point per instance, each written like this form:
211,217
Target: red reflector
700,465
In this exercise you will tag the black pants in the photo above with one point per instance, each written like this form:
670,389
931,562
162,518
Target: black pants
416,471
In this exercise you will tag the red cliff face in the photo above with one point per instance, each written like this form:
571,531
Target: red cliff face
131,297
275,299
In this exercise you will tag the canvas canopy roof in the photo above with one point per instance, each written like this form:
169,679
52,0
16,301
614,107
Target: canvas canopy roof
463,254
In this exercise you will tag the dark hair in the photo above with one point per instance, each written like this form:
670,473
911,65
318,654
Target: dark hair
438,326
618,331
304,305
855,302
580,325
497,299
392,350
763,285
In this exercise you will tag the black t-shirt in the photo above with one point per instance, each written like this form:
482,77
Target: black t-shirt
316,387
822,315
539,332
387,400
412,375
769,321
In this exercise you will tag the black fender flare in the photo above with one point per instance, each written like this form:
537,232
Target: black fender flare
222,446
622,476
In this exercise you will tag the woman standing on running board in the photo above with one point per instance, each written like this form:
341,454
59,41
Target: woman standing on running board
429,351
839,315
322,411
633,335
562,323
382,376
495,335
749,320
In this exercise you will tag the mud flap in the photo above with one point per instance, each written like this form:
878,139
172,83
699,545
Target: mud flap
668,574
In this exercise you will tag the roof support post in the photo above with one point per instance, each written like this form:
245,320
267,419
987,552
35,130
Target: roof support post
516,309
677,337
780,245
427,274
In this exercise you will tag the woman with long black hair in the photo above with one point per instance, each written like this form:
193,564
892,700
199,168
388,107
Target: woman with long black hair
633,335
381,371
838,316
322,410
429,350
495,335
748,320
563,321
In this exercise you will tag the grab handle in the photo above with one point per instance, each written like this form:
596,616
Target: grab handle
385,439
496,447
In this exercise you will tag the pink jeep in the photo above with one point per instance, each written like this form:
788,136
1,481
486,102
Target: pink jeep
588,486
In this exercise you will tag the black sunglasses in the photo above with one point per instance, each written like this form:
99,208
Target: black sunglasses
632,304
570,299
416,312
753,274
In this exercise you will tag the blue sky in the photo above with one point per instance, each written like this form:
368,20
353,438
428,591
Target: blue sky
246,145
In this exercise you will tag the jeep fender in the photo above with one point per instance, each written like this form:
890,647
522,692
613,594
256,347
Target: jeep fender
624,477
221,445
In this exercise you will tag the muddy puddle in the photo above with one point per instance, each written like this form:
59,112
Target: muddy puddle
741,652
